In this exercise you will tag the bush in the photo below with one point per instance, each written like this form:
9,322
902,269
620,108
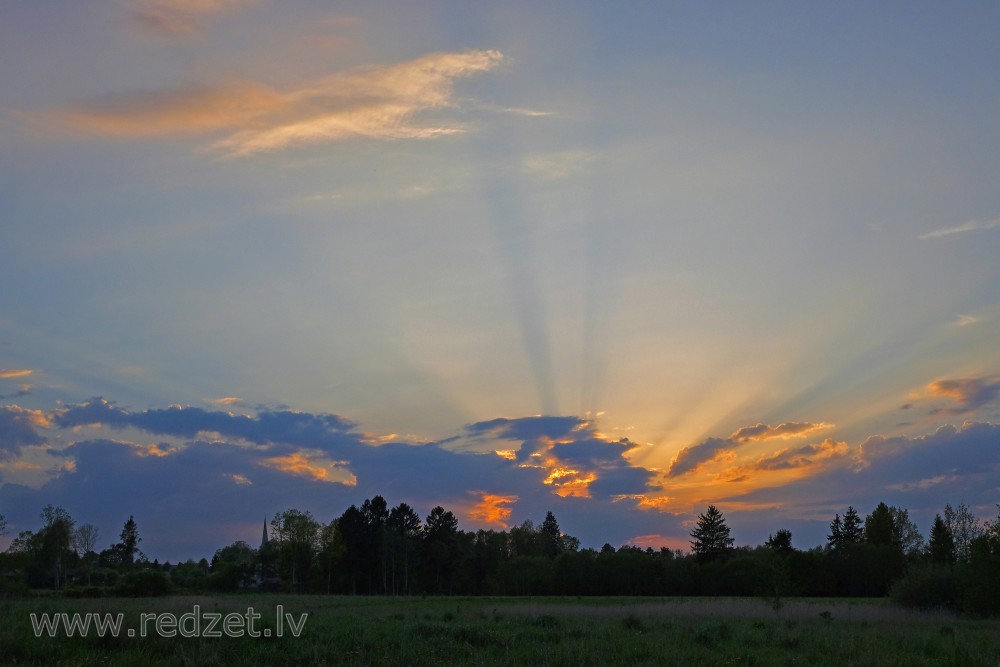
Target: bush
144,584
931,587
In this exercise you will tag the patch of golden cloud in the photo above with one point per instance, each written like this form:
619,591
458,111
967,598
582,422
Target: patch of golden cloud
316,467
508,454
227,400
492,508
6,373
644,502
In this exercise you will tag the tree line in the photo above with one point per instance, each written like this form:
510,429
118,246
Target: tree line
373,549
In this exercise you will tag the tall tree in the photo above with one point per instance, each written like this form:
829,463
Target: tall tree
404,533
853,531
551,536
907,535
55,540
964,527
836,537
84,543
376,514
941,547
297,534
711,535
129,545
441,548
3,525
880,530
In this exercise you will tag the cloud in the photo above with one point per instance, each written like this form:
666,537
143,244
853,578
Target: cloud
491,508
18,429
970,393
691,458
180,18
964,463
802,457
6,373
576,460
227,400
965,227
377,102
783,431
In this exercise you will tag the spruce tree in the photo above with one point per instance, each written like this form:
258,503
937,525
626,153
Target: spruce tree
711,535
941,547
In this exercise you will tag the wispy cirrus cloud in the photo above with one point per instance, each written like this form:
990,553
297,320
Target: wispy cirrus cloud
378,102
180,18
964,228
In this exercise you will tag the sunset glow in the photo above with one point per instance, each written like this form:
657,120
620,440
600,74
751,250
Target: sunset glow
617,264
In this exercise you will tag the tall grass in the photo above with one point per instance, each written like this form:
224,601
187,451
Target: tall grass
521,631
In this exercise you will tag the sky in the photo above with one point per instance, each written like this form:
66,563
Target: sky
617,261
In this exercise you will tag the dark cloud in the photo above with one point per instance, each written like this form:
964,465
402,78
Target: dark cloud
527,428
327,432
951,465
711,449
970,393
694,456
230,469
17,429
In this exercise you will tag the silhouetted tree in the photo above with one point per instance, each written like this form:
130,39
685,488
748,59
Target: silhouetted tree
296,534
906,535
964,527
129,545
404,535
941,547
853,530
551,536
440,549
711,536
55,539
780,542
84,543
880,530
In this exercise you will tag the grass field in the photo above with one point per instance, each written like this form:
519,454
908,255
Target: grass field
504,631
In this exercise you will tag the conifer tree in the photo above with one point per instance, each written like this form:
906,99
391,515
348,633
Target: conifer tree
711,535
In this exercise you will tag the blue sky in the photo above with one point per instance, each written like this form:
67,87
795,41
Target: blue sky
617,262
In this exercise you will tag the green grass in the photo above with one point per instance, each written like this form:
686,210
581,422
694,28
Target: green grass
519,631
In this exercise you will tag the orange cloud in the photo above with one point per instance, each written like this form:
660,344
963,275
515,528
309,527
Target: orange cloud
969,393
492,508
227,400
783,431
644,502
317,468
377,102
13,373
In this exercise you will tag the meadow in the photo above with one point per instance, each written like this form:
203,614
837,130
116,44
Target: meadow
510,631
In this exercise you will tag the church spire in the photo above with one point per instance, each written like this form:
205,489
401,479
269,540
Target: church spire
263,541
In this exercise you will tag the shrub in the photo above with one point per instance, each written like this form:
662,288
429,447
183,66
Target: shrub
144,584
931,587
